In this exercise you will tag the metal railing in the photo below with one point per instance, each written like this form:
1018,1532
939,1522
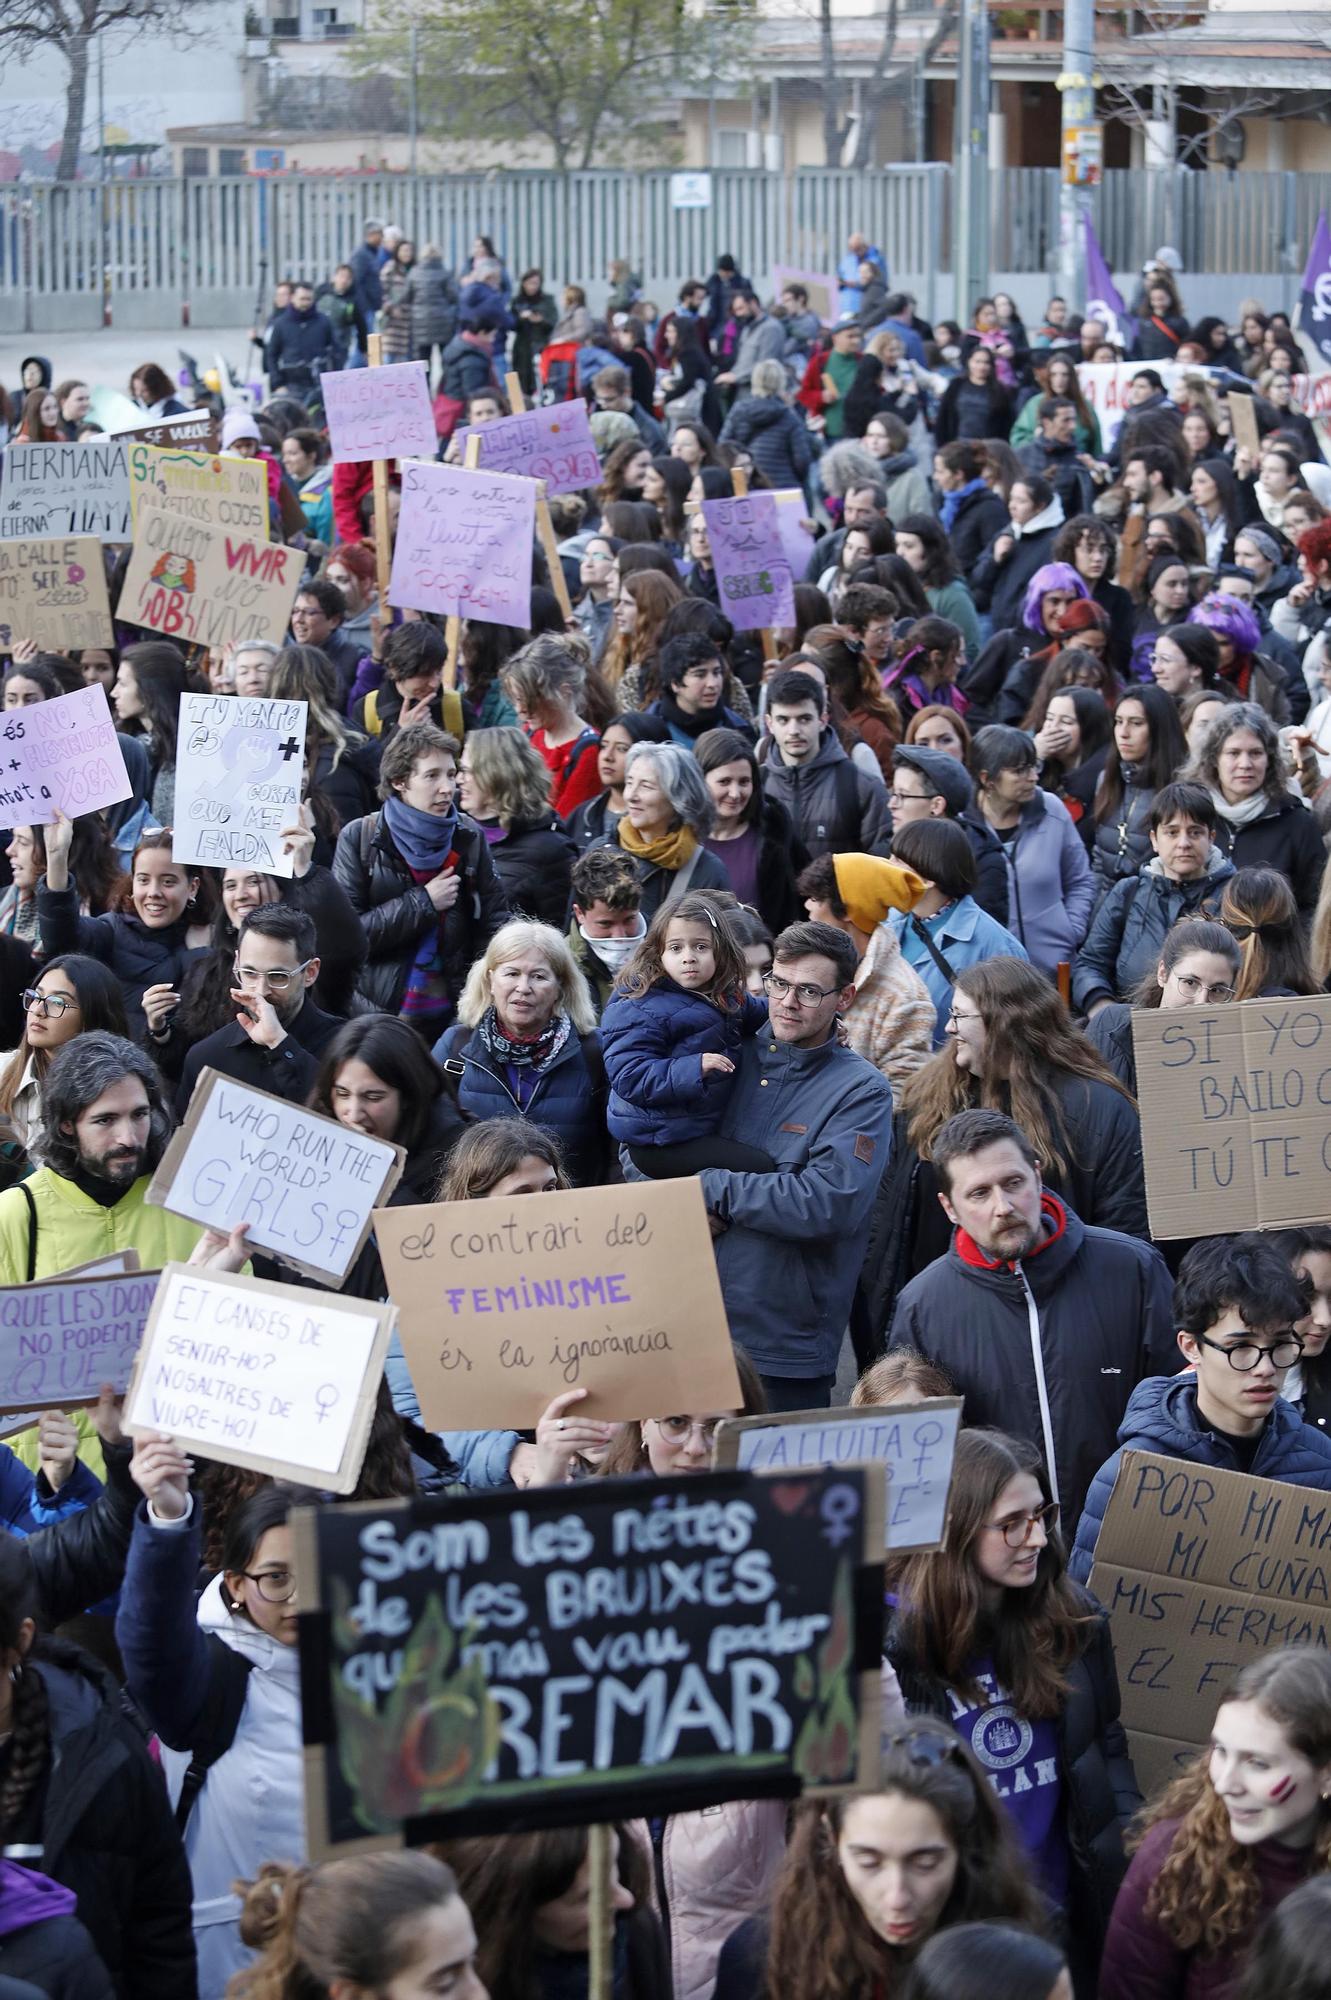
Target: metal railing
147,252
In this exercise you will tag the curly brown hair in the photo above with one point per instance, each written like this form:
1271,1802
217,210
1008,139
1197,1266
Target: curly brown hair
645,969
1206,1893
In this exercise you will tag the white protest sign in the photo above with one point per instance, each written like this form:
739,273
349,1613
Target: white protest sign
62,1338
913,1442
239,765
61,754
1107,387
66,489
306,1185
268,1376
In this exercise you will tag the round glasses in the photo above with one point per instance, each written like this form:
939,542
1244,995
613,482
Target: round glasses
1017,1532
49,1004
275,1586
807,994
679,1429
276,982
1189,983
1244,1355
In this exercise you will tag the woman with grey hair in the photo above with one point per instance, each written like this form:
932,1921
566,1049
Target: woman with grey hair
667,817
545,683
774,435
1260,822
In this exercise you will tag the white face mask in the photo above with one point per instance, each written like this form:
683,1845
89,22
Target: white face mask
615,952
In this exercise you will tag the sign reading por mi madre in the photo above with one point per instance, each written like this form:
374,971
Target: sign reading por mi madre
567,1656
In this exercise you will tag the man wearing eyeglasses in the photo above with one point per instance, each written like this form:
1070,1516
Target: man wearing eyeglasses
278,1035
1236,1304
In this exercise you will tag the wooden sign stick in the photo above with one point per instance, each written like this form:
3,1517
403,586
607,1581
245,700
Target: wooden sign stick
601,1919
545,527
471,457
383,554
739,486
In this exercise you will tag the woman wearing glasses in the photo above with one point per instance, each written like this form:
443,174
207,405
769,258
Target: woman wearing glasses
193,1669
989,1635
869,1879
1198,967
73,996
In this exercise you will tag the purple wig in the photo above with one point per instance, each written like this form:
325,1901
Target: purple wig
1229,618
1053,576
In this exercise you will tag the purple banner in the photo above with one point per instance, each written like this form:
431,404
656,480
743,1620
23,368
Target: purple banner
752,568
464,544
553,443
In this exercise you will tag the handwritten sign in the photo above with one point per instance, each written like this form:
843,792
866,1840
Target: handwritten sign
380,413
1107,387
305,1184
752,567
796,538
1202,1571
1236,1115
65,489
553,443
62,1338
913,1443
54,593
194,429
274,1377
611,1289
587,1652
60,754
239,766
464,542
205,585
220,489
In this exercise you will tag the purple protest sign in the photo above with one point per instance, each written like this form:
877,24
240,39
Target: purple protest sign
464,544
380,413
553,443
752,568
61,754
796,540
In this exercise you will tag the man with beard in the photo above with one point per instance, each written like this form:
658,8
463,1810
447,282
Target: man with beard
1044,1324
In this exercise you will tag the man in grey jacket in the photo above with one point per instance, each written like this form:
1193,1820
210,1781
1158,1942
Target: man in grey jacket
836,807
763,339
789,1244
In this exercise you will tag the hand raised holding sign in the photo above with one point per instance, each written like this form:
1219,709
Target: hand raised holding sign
560,1438
215,1251
161,1471
57,1447
298,841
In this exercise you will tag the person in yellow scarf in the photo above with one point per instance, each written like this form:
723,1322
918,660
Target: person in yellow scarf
667,816
892,1021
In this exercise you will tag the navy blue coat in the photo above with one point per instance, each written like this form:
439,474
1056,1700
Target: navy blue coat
653,1046
1162,1416
569,1099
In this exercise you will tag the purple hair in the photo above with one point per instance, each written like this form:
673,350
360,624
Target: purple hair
1053,576
1229,618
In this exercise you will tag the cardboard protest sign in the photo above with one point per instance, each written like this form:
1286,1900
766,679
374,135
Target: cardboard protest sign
1202,1571
464,544
1107,387
274,1377
586,1652
208,586
913,1442
1236,1114
1243,423
61,1338
822,287
196,430
306,1185
752,568
220,489
796,539
239,766
61,754
65,489
612,1289
54,593
553,443
380,413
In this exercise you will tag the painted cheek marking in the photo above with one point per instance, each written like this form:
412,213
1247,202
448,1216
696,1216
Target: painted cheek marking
1282,1791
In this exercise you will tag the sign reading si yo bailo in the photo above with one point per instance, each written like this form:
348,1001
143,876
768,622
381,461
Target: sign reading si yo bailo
505,1304
752,565
273,1377
210,586
1236,1115
306,1185
239,766
586,1652
464,543
61,755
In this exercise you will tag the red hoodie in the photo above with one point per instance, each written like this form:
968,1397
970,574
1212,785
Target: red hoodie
1056,1219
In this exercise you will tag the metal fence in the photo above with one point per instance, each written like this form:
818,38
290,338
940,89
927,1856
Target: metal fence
146,252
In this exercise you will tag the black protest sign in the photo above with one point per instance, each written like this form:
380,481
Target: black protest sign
573,1654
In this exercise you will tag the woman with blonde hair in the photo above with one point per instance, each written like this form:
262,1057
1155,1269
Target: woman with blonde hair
642,603
1258,910
504,785
526,1044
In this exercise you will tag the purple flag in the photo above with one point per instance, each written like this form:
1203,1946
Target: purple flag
1103,298
1314,314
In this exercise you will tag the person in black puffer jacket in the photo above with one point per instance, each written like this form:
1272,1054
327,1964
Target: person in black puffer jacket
990,1635
1148,747
504,785
1261,824
420,878
774,434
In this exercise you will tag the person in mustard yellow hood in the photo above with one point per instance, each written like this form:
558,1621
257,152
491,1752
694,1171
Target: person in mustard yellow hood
892,1020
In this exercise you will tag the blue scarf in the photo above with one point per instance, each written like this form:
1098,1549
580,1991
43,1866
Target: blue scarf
424,840
947,513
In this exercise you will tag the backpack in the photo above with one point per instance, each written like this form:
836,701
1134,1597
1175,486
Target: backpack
228,1684
454,724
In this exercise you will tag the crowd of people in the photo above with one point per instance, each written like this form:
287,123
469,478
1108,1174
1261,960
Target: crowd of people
850,921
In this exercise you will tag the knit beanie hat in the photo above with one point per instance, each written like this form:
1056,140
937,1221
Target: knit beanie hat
870,887
611,427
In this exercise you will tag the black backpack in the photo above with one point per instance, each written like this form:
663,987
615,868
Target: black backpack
228,1684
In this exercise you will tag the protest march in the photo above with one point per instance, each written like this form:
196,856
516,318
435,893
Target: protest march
665,1150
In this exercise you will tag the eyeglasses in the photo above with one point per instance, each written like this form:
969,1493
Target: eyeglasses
1244,1355
276,982
1017,1532
48,1004
895,798
275,1586
680,1429
1189,983
807,994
